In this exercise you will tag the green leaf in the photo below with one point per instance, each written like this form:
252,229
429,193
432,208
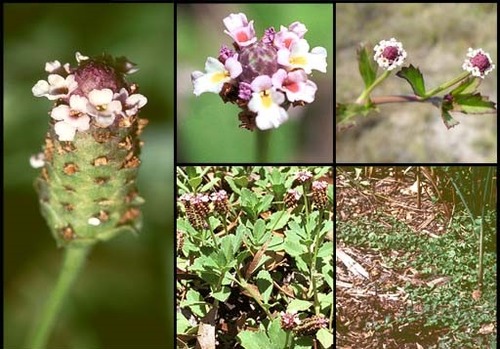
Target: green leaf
259,232
264,203
327,271
448,120
277,335
326,250
182,323
298,305
278,220
223,294
265,285
325,338
195,302
254,340
367,66
230,244
414,78
294,248
235,188
473,104
469,85
195,182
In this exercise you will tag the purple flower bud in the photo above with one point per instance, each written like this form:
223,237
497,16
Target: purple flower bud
245,91
268,37
225,53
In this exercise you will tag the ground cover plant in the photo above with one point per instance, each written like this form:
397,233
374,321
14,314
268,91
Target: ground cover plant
255,257
408,271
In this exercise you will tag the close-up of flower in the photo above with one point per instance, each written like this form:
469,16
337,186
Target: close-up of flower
263,77
85,95
389,54
478,63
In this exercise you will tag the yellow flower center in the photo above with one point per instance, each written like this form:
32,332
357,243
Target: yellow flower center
300,60
219,76
267,101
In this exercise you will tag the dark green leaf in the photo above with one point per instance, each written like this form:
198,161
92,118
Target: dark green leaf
414,78
367,66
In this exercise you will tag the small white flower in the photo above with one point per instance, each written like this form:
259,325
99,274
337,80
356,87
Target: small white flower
298,28
79,57
55,87
240,29
479,63
131,104
38,160
50,67
286,37
103,107
217,74
389,54
266,101
71,118
299,57
295,84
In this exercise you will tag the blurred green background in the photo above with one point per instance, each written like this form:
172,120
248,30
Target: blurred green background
208,129
436,38
124,297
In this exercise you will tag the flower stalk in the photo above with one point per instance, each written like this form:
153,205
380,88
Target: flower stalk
74,261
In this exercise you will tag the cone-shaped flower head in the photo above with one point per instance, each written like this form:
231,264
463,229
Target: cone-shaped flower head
87,187
263,77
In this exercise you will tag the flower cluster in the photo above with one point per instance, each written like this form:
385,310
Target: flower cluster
389,54
311,325
478,63
289,320
221,202
320,198
197,209
263,77
291,198
89,94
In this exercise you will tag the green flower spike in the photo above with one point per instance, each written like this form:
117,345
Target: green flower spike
89,165
87,187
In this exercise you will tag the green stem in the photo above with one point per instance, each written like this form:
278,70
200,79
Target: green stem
317,240
74,260
446,85
263,146
366,93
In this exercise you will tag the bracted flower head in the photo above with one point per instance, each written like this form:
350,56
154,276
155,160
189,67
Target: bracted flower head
87,186
478,63
263,77
389,54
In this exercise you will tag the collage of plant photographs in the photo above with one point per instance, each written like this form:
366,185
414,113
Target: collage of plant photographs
170,175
